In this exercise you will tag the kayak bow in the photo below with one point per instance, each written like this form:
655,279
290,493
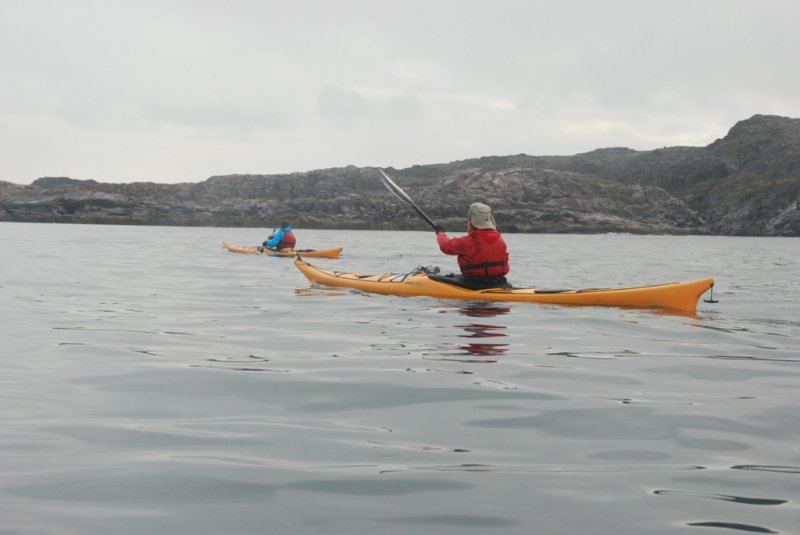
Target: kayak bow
681,296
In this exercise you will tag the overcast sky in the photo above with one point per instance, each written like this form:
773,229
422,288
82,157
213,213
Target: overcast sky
181,90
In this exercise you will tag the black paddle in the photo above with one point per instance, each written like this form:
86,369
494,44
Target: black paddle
404,198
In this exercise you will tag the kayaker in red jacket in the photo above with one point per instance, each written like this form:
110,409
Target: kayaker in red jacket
482,253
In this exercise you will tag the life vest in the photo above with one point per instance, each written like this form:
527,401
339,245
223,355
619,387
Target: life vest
288,241
489,257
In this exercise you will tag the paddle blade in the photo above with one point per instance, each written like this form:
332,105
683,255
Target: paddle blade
403,196
396,190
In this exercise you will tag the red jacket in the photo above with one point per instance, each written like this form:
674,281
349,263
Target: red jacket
481,253
288,241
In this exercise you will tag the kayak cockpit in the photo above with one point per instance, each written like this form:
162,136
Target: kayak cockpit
471,283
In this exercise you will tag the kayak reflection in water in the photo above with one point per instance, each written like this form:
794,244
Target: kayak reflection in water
482,253
282,239
483,310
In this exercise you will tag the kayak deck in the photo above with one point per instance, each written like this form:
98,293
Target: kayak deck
681,296
320,253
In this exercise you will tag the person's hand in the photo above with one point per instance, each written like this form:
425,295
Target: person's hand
438,228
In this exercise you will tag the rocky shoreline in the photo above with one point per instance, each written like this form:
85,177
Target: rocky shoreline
747,183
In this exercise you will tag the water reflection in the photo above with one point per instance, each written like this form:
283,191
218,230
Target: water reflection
483,330
321,291
484,310
480,330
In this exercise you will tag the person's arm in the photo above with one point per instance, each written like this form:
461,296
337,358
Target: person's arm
276,239
454,246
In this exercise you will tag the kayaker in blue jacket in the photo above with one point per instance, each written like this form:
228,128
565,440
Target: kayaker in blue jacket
282,239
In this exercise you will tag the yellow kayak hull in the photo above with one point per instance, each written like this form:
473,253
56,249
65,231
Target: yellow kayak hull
682,296
321,253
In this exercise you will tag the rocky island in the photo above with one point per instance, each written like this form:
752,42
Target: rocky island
746,183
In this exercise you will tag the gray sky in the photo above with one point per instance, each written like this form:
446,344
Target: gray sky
180,90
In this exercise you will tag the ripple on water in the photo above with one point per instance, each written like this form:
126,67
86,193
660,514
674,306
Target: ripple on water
724,497
750,528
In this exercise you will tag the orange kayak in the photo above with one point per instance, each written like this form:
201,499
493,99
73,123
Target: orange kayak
682,296
322,253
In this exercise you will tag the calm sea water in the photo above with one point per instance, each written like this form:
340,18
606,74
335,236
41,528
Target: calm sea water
152,382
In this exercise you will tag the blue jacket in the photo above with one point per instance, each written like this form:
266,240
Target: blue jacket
273,242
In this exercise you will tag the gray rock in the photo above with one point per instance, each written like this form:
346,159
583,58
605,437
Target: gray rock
747,183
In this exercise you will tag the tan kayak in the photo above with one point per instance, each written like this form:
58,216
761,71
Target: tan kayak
681,296
322,253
